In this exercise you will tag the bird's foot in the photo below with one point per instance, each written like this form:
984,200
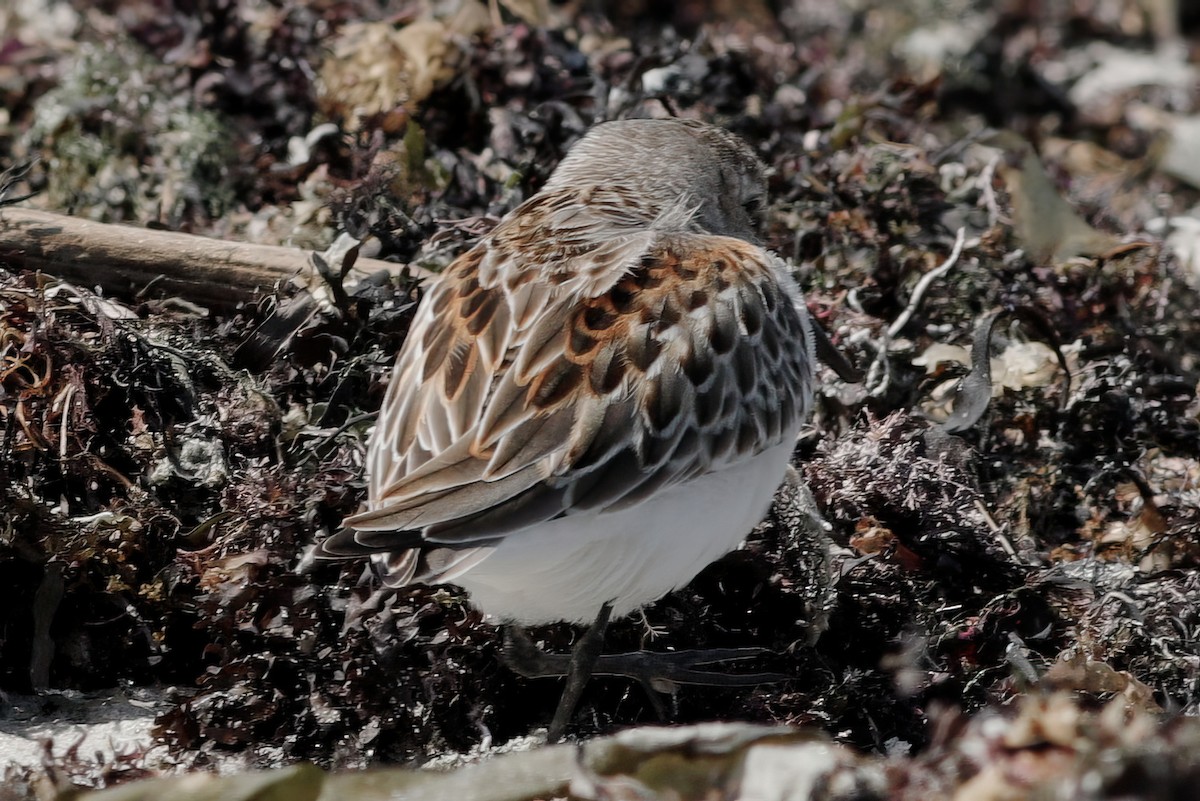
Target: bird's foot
649,630
659,670
662,670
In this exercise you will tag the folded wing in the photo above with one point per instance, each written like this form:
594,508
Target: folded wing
517,400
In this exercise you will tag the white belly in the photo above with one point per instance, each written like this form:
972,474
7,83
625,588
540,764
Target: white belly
567,569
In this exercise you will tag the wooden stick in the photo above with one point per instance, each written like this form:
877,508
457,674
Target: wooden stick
125,261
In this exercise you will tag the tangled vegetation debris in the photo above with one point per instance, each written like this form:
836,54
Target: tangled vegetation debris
164,466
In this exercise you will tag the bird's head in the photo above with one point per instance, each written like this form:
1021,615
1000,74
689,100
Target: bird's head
683,171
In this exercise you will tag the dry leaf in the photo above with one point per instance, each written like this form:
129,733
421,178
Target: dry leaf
1180,155
1077,672
535,12
938,354
1117,70
1021,365
375,70
1046,225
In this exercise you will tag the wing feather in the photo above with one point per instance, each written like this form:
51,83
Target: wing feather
521,398
445,505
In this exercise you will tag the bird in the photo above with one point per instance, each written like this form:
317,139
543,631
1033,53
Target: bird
600,397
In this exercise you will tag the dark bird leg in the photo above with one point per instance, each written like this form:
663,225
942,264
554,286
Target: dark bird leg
583,661
652,670
524,658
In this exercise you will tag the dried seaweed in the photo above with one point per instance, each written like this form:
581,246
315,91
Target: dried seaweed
162,471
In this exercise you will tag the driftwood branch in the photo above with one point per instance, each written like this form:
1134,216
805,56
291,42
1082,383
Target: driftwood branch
126,262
